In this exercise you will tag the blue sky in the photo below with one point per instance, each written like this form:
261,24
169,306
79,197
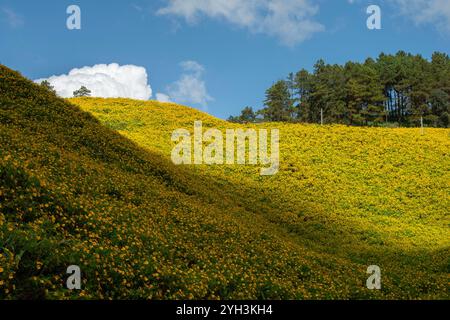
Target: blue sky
216,55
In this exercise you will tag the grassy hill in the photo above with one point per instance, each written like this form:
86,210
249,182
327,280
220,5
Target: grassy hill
90,182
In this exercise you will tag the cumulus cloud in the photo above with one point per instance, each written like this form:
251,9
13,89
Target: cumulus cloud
291,21
435,12
190,88
107,81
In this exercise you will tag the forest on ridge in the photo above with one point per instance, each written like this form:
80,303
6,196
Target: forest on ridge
393,90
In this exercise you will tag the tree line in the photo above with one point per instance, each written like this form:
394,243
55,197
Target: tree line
401,89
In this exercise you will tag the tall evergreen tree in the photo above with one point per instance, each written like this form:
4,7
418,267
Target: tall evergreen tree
302,92
364,94
279,105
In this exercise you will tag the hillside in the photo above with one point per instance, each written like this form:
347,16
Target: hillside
89,182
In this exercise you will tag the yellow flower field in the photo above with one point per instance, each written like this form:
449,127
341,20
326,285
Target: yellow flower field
369,195
89,182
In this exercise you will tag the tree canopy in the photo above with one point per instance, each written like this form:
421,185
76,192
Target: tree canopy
47,85
82,92
401,89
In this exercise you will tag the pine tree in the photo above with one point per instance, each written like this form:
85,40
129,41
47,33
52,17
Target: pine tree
364,94
302,92
279,105
328,93
82,92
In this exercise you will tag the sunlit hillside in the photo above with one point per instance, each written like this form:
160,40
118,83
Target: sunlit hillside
90,182
367,195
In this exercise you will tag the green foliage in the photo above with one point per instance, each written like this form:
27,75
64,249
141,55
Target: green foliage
400,89
82,92
279,106
48,86
247,115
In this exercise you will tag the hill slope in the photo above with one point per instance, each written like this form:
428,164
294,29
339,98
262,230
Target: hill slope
75,192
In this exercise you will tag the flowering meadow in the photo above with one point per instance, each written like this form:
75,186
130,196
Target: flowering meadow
89,182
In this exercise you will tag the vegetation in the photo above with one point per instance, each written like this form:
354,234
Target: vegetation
352,196
48,86
247,115
75,192
82,92
402,89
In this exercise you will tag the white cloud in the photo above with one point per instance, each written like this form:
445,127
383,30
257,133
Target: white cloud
435,12
192,66
288,20
161,97
14,19
190,88
107,81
